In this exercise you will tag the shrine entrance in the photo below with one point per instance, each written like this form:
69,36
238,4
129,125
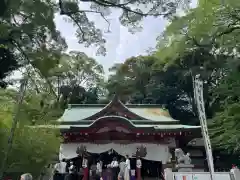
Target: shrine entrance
150,169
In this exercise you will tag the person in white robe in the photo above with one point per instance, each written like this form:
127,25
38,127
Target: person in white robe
122,166
127,169
115,167
58,171
99,167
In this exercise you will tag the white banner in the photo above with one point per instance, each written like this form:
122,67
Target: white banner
155,152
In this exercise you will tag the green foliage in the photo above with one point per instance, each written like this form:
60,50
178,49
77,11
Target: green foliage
139,80
33,148
226,123
206,40
8,63
132,12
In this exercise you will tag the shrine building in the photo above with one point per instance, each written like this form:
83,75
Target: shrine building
123,128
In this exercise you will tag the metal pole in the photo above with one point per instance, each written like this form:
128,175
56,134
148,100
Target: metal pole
198,93
16,111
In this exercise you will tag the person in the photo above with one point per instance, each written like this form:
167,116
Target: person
108,175
94,172
99,167
127,169
85,168
57,170
122,166
62,169
138,168
26,176
71,167
114,166
133,174
72,175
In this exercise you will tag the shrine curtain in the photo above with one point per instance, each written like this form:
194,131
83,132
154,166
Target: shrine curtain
155,152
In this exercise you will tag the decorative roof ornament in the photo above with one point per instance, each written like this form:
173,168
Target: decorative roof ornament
81,150
141,151
110,152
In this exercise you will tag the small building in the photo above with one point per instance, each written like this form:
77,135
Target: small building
123,128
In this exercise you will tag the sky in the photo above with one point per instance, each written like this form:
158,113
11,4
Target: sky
120,44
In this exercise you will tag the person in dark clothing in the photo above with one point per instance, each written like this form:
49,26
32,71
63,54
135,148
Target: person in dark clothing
72,174
94,175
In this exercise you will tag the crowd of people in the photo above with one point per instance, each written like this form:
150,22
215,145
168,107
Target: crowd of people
97,170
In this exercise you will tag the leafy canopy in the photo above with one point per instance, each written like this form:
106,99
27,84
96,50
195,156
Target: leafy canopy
32,148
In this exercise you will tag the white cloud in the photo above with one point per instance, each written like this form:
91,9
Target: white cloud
121,44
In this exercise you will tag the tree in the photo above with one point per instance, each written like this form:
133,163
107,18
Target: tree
37,147
29,29
132,12
206,40
8,63
225,124
130,78
78,77
70,80
140,80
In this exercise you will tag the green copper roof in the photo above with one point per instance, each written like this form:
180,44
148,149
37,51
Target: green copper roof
154,114
76,113
144,112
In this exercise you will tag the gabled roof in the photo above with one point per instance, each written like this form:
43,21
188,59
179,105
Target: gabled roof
76,113
143,116
143,112
152,113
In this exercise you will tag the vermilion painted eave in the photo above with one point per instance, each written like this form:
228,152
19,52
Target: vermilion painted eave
196,132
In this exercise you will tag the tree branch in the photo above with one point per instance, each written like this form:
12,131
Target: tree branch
86,11
122,6
80,28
